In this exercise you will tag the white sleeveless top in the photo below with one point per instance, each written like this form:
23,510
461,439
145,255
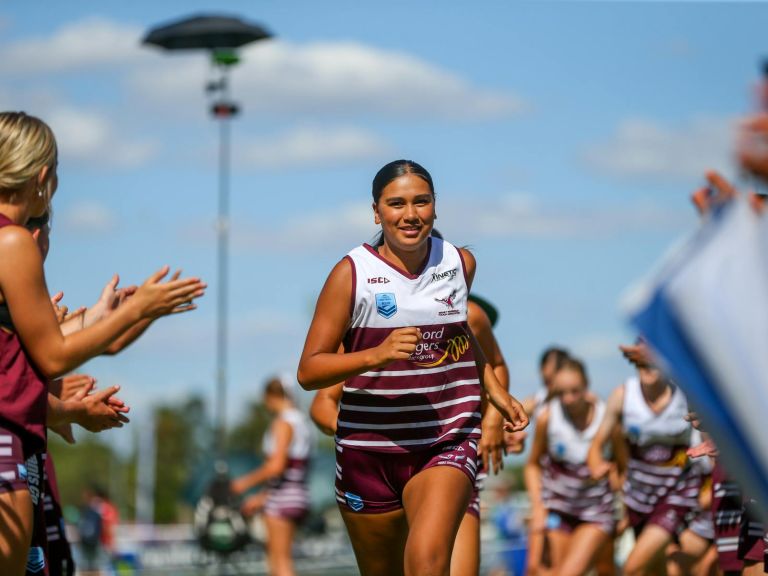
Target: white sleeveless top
301,436
645,428
566,484
566,443
659,471
434,396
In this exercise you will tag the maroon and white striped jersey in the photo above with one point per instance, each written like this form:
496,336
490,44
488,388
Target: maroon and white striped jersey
567,485
289,492
658,468
434,396
298,450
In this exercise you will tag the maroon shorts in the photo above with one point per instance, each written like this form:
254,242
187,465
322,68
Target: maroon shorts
17,474
13,471
289,501
666,516
373,482
561,522
474,502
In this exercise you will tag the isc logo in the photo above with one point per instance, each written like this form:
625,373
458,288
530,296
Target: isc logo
378,280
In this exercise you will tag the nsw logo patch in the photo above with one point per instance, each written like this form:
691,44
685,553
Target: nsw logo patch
386,305
354,501
35,560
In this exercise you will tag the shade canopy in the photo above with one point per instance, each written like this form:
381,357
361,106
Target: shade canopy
205,32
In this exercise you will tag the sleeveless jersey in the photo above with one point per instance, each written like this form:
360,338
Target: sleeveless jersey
658,467
298,450
289,493
539,401
23,390
567,486
434,396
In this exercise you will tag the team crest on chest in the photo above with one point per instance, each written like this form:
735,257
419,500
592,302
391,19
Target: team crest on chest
386,305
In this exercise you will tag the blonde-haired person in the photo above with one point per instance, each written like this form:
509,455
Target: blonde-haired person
34,349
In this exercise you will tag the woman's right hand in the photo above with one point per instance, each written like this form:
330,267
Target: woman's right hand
599,469
400,344
156,298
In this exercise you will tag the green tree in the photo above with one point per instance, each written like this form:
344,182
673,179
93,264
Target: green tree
183,439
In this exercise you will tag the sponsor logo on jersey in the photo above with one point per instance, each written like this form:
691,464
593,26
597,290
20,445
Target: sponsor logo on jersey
378,280
428,346
445,456
22,471
447,275
354,501
454,349
34,479
386,305
450,302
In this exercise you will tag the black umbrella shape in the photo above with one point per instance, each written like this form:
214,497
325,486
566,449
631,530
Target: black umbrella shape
205,31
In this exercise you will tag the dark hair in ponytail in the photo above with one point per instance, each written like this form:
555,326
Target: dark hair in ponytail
395,169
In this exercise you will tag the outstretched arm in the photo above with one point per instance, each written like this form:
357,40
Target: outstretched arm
275,465
22,283
598,465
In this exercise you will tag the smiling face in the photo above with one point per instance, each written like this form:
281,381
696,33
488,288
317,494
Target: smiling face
406,212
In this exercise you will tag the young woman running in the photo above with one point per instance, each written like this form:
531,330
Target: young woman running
409,422
578,510
551,359
465,560
287,447
661,486
34,349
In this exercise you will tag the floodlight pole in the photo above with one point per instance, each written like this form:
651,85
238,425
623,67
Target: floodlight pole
223,111
223,245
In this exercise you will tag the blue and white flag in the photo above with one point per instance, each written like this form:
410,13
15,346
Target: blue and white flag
705,313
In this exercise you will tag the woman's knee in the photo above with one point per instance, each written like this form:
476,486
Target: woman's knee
428,559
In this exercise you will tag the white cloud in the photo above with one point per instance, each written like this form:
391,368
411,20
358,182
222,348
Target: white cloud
86,217
92,138
647,149
510,216
521,216
90,43
596,347
330,78
308,147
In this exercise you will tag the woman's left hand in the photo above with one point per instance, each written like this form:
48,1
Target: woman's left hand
510,408
491,447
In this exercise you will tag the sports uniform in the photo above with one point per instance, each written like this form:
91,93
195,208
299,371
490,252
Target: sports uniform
59,550
661,486
411,414
288,495
568,491
23,410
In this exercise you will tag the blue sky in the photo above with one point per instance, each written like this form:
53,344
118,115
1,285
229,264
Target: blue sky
563,137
